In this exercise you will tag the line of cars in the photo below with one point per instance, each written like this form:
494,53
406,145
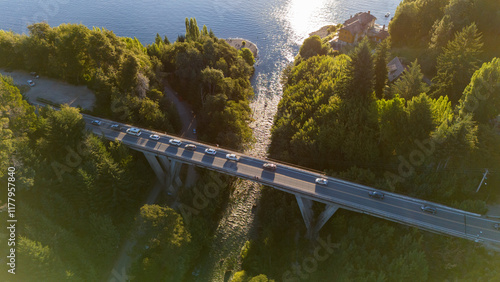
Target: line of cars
379,195
266,166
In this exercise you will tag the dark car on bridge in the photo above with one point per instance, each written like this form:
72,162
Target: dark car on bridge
376,194
116,127
269,166
429,209
190,147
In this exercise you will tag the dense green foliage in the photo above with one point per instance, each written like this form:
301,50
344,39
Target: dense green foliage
312,47
381,60
410,83
74,190
339,115
128,77
117,69
214,78
457,63
164,238
449,37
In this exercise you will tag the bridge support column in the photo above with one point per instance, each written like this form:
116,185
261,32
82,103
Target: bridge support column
173,168
167,172
305,206
324,217
155,165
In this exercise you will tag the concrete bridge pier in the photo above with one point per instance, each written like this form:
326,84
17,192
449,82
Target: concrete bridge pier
305,206
166,170
173,167
314,226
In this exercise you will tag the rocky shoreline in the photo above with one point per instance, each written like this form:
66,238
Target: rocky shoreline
323,31
238,44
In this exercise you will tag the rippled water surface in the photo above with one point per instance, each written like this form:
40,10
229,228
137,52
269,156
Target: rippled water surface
276,26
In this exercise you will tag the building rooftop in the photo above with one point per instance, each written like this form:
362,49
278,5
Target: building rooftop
395,69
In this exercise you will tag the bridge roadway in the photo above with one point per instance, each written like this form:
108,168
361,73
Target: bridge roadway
301,182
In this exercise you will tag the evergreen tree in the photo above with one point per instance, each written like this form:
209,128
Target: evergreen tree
482,95
360,73
381,67
410,84
441,33
457,63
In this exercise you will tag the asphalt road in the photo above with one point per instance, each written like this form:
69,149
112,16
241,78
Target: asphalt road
347,195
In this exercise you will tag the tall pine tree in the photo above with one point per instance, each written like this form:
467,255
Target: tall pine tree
410,84
381,67
457,63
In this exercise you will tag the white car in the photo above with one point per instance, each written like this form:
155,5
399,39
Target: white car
154,137
210,151
31,83
322,181
232,157
134,131
175,142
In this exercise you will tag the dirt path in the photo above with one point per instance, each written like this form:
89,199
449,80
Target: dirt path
119,273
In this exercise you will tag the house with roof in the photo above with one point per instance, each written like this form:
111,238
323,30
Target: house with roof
378,33
356,27
395,68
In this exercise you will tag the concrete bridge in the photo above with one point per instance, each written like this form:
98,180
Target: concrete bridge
166,160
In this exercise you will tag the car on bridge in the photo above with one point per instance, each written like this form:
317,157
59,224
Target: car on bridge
154,137
175,142
376,194
96,122
116,127
496,226
232,157
134,131
269,166
210,151
429,209
321,181
190,147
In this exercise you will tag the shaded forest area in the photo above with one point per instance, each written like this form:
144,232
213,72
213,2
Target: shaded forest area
73,190
339,114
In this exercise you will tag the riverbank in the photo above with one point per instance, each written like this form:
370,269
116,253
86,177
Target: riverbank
238,44
323,31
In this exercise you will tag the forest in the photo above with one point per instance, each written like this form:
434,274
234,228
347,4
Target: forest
73,190
128,78
80,196
339,114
